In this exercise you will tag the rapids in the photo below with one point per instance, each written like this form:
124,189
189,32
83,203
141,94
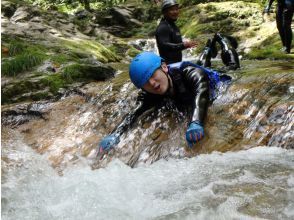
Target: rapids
243,169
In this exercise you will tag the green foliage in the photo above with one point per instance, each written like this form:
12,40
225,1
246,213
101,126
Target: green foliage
20,56
195,2
54,82
86,72
21,63
227,17
69,6
72,72
132,52
269,48
89,48
63,58
15,48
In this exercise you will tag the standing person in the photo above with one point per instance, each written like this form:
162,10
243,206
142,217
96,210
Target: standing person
168,37
185,83
284,15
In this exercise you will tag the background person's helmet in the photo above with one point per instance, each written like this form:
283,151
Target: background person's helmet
143,66
167,4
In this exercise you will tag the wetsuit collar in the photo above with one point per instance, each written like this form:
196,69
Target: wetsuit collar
169,20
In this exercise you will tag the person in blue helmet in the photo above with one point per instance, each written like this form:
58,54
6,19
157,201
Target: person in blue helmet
284,15
168,37
187,84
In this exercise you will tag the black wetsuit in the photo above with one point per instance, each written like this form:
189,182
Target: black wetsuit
169,41
284,15
191,89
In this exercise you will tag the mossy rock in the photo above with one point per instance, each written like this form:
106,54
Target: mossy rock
39,86
132,52
227,17
269,48
87,72
12,92
21,63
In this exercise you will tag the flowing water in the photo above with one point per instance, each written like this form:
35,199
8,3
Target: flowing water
243,169
252,184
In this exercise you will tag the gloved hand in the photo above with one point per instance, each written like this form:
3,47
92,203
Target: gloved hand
106,144
194,133
266,10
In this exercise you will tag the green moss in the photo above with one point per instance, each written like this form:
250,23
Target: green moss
40,95
120,80
86,72
15,47
21,63
72,72
226,17
20,56
21,87
269,48
194,2
54,82
147,29
264,67
63,58
90,47
132,52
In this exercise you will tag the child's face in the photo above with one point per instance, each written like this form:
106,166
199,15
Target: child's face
158,83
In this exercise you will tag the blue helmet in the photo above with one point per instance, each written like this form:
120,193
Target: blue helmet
143,66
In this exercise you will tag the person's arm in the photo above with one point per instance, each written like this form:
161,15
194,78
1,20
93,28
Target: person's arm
143,105
145,101
198,82
163,39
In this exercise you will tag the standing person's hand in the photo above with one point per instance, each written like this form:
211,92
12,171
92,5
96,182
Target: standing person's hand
190,44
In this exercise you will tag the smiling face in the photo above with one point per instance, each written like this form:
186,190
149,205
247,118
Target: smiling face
158,82
172,12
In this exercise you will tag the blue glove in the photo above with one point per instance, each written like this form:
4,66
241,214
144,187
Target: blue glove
194,133
107,143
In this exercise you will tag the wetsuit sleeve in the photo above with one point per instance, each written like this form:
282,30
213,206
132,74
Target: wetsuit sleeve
163,38
145,101
197,80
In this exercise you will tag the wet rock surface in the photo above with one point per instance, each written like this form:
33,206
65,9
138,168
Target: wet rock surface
254,110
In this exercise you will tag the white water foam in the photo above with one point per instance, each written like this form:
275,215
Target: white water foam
252,184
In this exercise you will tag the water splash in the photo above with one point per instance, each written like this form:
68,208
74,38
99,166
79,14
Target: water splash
252,184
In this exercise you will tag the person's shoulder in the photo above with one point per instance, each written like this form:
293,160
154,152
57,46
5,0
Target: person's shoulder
162,26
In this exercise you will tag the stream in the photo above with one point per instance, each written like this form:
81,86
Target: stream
243,169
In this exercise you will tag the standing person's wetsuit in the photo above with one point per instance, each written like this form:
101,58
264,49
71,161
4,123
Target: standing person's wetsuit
169,41
168,37
185,83
284,15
